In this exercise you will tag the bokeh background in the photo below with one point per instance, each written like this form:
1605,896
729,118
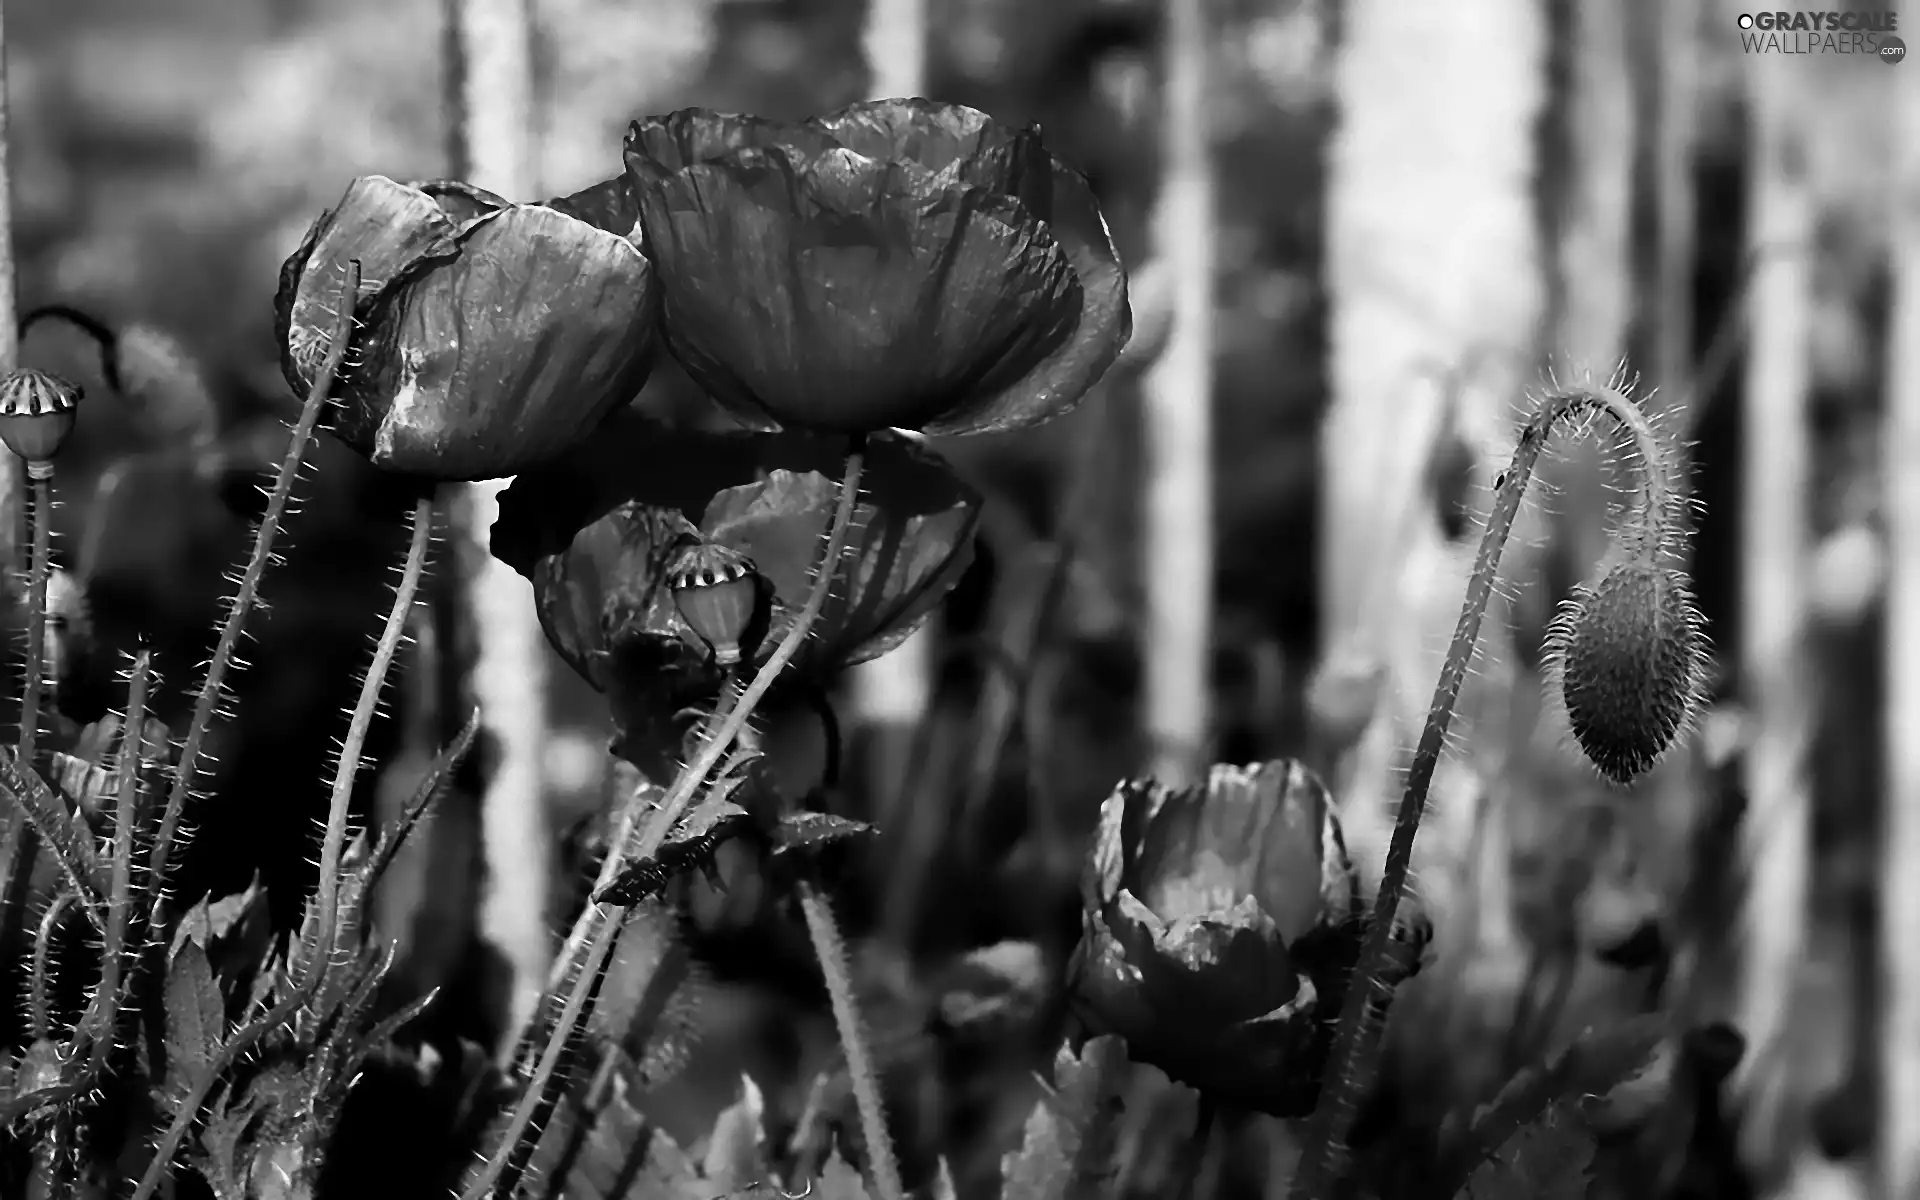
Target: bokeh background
1359,233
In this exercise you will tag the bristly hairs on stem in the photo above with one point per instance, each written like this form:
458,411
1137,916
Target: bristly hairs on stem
213,686
1653,519
831,949
593,934
346,770
107,1000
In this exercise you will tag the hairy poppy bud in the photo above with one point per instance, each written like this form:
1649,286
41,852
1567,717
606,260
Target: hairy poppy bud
492,336
37,412
718,595
1630,651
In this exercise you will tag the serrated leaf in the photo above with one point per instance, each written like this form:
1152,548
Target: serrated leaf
736,1151
839,1181
943,1187
811,832
1551,1159
196,1018
28,795
223,1151
610,1153
695,838
1067,1150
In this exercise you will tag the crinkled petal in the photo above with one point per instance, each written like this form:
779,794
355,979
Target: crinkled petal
1267,831
843,294
1189,1024
656,147
961,143
389,227
1056,385
508,352
613,206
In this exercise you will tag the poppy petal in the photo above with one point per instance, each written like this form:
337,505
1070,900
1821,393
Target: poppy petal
536,306
766,496
1104,324
388,227
659,146
964,143
840,293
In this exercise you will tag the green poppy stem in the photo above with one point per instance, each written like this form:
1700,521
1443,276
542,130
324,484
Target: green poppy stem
598,925
40,482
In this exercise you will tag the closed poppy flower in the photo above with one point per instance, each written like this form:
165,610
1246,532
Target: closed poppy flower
1219,921
895,264
490,336
640,545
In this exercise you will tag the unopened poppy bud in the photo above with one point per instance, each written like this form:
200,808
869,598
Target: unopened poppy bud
718,594
37,412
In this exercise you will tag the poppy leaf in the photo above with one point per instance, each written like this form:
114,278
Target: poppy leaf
692,843
737,1149
1067,1151
807,833
608,1151
196,1016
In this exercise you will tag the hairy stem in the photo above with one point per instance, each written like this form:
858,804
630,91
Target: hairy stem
333,845
39,1017
126,818
831,950
598,923
213,687
40,485
345,770
1354,1060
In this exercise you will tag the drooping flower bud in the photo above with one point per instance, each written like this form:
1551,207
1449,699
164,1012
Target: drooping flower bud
37,412
719,597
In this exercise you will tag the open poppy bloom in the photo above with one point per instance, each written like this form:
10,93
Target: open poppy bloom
604,533
1203,910
491,335
895,264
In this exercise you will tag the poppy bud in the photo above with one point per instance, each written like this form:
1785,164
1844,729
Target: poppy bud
718,595
37,412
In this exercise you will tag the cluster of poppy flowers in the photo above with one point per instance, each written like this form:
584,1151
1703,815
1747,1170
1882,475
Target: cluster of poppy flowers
896,265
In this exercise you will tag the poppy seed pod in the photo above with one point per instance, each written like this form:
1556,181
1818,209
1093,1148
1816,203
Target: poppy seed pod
895,264
37,412
718,595
1203,907
491,336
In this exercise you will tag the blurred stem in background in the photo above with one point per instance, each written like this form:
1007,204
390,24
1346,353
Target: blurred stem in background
1434,311
1899,950
1774,540
504,653
1177,552
892,694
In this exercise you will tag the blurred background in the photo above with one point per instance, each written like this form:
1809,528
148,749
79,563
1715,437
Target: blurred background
1360,232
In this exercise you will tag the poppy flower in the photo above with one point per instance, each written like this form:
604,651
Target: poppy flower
491,335
896,264
1211,917
605,532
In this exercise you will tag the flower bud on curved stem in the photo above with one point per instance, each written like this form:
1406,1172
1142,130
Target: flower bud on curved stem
1636,642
